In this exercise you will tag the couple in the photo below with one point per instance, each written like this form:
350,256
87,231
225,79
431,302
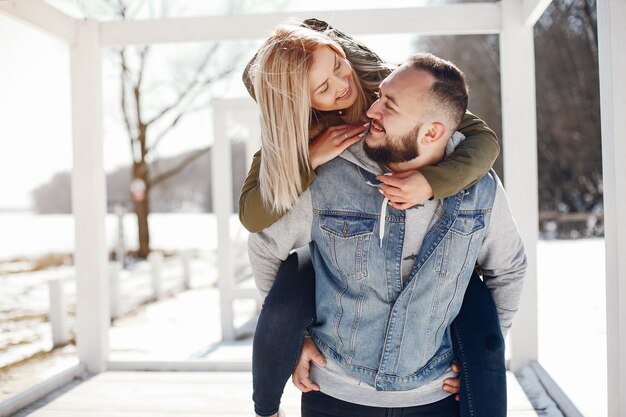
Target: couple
394,307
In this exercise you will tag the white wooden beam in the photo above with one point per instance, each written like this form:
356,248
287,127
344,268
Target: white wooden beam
612,60
533,9
89,200
222,196
189,365
456,19
41,16
519,137
34,393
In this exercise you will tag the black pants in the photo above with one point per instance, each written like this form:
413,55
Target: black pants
317,404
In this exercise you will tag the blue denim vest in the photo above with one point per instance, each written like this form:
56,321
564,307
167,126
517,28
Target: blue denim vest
390,333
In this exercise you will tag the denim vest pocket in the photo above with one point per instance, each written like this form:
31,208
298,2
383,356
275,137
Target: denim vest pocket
468,222
457,242
349,236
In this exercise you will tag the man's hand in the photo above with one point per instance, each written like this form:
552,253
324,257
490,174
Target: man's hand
405,189
452,385
300,376
333,141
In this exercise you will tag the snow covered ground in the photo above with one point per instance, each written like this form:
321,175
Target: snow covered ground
571,297
572,320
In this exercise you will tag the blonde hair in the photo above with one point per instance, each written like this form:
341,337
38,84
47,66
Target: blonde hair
279,76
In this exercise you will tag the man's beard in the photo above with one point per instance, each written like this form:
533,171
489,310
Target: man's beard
395,149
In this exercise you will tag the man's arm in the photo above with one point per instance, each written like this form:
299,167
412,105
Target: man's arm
503,260
268,248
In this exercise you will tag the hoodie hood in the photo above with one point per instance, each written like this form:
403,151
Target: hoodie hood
356,155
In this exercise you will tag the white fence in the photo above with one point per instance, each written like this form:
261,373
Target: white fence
144,282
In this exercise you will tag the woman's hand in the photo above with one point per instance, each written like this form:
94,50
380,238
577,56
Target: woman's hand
452,385
405,189
333,141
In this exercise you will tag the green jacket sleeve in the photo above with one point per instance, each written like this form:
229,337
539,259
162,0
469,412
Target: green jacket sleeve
253,214
469,162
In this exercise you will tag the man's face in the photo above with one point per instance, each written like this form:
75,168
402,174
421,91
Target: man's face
397,116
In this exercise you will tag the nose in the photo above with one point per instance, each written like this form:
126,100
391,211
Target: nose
341,83
374,111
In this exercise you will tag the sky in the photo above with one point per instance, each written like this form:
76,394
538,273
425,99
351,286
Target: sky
35,119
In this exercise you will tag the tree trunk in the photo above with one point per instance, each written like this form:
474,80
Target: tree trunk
142,209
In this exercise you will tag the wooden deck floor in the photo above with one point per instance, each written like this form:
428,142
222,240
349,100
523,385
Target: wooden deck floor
185,394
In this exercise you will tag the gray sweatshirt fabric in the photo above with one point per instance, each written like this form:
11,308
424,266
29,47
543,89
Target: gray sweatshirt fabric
501,258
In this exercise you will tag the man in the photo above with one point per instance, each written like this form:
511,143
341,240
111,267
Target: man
390,282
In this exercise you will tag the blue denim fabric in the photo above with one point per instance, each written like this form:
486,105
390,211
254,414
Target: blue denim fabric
289,308
390,332
317,404
479,350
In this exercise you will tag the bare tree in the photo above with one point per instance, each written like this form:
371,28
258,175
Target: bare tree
568,103
148,117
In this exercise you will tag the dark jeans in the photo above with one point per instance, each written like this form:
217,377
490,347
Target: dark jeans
289,309
317,404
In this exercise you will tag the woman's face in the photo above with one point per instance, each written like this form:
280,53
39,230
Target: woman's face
331,85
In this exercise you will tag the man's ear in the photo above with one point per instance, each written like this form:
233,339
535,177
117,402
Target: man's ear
435,132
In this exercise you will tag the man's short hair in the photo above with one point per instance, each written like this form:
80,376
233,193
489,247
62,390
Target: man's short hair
450,89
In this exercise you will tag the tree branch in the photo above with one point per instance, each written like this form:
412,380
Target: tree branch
188,89
178,168
181,115
124,80
184,112
142,56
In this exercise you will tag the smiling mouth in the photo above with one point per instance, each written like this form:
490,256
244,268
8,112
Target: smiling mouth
377,127
345,94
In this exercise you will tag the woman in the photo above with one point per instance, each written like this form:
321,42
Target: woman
316,82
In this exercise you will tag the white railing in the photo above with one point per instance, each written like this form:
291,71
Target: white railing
226,113
128,290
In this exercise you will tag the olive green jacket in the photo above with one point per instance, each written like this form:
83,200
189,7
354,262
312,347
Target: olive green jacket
470,161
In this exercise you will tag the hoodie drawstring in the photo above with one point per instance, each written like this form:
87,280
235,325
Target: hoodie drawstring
383,214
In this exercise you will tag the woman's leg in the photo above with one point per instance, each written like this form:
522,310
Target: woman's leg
479,349
288,310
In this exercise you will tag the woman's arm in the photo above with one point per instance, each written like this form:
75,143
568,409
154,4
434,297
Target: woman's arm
471,159
256,216
469,162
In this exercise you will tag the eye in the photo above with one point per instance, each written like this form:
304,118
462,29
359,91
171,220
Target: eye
325,89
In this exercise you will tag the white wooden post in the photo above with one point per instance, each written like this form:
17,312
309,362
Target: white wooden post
57,315
186,261
253,142
222,208
89,199
519,137
115,291
120,249
156,265
612,60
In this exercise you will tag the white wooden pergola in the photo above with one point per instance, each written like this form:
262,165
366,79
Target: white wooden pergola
513,20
